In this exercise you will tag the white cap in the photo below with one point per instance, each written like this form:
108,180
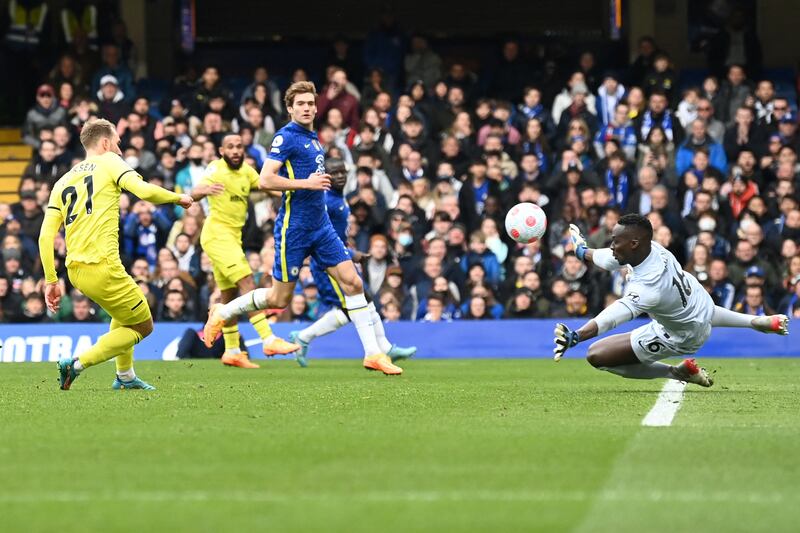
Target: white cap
108,78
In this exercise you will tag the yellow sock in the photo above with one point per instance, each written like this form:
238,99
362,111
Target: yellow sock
261,325
124,360
231,336
115,342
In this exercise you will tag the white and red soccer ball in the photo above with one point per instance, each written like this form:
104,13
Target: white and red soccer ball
526,222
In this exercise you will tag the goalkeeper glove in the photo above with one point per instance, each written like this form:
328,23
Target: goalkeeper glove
564,338
578,241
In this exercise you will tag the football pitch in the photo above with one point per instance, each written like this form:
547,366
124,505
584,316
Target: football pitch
459,445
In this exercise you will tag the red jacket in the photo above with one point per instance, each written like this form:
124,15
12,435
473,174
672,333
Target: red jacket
738,203
344,102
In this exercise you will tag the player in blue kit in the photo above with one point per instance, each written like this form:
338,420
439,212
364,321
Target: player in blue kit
330,294
295,166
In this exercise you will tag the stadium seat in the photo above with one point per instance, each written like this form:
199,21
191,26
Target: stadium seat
14,156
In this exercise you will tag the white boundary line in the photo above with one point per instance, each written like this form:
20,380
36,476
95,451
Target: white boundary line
667,405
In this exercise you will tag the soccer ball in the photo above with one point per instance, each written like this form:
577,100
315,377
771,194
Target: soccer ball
526,222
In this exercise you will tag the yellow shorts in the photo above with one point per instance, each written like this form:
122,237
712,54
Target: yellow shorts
224,248
110,286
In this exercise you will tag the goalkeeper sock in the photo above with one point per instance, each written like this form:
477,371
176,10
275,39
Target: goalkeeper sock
642,370
377,325
327,323
231,336
246,303
362,320
725,318
112,343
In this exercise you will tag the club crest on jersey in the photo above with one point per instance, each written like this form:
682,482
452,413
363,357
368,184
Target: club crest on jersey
295,271
633,296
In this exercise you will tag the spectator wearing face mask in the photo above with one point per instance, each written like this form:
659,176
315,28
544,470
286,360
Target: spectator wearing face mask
190,175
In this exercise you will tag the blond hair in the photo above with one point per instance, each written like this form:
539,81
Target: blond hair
298,87
96,129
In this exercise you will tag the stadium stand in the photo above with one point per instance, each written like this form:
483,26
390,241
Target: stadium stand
438,148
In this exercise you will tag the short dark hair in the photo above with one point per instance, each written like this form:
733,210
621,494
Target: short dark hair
639,222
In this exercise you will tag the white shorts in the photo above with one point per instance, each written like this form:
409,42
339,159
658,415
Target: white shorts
653,342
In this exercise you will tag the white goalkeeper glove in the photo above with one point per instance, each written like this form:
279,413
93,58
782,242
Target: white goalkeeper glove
564,338
578,241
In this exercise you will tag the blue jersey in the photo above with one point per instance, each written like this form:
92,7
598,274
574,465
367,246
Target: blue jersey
302,155
338,212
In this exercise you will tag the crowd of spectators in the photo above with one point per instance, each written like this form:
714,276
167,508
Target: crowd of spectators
433,167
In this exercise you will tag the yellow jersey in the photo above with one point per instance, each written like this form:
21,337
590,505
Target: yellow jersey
228,210
87,201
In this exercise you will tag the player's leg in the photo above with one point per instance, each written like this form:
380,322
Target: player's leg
614,354
116,292
636,355
395,352
331,298
284,276
358,309
276,297
124,360
233,355
126,377
725,318
229,264
271,344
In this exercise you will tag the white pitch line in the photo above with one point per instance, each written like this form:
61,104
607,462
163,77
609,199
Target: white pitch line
667,405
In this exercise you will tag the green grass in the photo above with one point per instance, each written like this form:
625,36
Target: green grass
507,445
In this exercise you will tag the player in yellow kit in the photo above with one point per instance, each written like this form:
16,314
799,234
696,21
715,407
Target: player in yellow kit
227,184
86,201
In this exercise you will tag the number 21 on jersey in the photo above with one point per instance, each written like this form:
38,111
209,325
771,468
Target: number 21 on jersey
69,196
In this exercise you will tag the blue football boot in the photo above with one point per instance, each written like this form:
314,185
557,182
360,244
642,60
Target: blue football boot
299,355
398,353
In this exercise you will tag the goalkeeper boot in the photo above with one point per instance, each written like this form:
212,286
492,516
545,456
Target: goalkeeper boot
691,373
772,324
300,354
238,359
66,372
278,346
383,363
398,353
213,326
134,384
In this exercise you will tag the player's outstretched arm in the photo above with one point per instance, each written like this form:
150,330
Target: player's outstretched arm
602,257
270,180
609,318
134,183
207,189
52,222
